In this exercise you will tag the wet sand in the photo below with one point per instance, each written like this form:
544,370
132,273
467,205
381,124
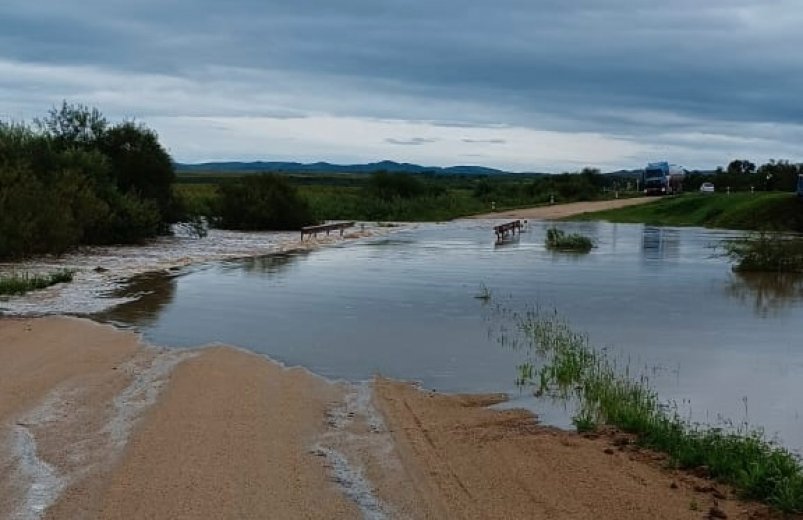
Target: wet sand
467,461
559,211
228,437
94,424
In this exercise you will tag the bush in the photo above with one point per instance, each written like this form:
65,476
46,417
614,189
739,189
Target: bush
262,202
389,186
74,180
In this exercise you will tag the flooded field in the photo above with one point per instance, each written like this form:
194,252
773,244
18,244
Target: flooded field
720,345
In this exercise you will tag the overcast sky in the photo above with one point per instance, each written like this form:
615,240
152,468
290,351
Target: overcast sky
525,85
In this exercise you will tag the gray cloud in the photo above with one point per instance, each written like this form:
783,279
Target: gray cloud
658,73
413,141
484,141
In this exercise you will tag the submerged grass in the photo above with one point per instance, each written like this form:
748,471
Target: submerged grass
766,252
22,283
568,366
558,240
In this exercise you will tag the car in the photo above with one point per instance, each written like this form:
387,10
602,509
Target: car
707,187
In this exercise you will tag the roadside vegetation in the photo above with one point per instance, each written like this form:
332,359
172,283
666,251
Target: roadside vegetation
744,175
766,252
23,283
73,178
262,202
384,196
558,240
749,211
563,364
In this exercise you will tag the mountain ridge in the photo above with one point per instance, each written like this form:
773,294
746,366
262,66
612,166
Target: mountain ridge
326,167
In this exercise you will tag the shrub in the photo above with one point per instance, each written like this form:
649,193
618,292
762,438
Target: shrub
261,202
72,179
389,186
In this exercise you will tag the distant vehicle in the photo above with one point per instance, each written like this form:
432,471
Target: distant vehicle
662,178
800,185
707,187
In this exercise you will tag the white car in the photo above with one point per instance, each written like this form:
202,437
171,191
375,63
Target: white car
707,187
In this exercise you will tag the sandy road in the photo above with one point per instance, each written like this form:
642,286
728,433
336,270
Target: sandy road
95,424
559,211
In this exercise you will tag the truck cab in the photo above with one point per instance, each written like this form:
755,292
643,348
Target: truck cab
662,178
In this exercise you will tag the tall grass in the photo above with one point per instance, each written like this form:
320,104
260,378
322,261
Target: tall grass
566,365
22,283
559,240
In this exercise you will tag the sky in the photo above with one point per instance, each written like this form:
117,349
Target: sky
521,85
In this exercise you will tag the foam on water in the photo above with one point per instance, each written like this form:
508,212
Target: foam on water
101,271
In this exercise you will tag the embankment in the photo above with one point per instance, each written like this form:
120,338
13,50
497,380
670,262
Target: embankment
748,211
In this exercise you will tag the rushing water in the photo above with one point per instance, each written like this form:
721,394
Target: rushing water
717,343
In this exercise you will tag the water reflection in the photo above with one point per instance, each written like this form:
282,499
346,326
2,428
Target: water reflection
153,292
270,266
660,243
769,293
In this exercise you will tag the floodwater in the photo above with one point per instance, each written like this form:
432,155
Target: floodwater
722,346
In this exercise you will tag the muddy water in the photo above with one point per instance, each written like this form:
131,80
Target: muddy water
722,346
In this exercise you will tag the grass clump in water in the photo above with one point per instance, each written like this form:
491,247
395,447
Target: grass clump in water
558,240
569,367
22,283
766,252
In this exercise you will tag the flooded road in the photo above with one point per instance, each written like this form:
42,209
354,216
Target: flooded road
720,345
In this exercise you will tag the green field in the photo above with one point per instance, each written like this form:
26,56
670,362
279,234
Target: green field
749,211
401,197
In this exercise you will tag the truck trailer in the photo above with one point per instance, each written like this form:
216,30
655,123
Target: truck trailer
662,178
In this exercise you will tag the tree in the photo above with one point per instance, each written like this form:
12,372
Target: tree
73,125
741,167
140,165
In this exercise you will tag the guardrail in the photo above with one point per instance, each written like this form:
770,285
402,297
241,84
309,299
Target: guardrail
504,230
314,230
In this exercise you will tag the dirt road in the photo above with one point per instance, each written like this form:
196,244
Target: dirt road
95,424
558,211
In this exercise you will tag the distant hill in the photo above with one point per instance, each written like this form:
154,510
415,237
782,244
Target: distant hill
325,167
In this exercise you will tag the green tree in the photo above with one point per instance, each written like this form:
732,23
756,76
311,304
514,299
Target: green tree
73,125
140,165
741,167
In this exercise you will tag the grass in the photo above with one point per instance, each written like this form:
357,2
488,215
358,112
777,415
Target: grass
560,241
351,197
766,252
566,365
22,283
750,211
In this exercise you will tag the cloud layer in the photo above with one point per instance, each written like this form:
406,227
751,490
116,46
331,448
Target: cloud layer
526,85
